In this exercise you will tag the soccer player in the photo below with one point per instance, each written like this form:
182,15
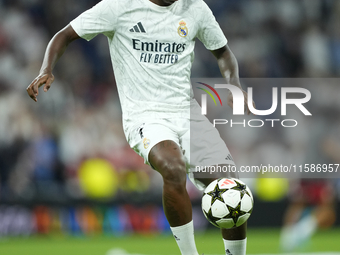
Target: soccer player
152,48
312,207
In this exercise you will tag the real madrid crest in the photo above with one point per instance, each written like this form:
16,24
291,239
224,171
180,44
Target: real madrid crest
146,143
182,29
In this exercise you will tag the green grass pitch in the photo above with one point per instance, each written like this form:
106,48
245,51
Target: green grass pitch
260,241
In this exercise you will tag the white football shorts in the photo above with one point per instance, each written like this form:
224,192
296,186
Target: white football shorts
199,140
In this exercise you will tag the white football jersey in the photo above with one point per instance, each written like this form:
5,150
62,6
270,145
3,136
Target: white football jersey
152,50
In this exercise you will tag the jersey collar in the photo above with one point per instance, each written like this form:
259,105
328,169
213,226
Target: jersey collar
160,8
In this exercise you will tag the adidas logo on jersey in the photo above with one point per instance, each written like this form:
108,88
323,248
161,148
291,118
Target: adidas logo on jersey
138,28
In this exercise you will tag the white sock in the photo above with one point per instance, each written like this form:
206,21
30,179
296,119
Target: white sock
184,236
296,235
235,247
307,227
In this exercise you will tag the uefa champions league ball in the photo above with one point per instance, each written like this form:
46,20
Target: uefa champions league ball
227,203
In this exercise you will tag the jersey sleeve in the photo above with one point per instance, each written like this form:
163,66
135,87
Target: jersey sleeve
100,19
209,31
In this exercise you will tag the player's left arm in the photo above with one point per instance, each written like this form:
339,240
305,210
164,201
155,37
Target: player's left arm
228,65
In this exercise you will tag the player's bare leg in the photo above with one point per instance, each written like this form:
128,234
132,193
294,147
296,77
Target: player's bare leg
234,239
167,158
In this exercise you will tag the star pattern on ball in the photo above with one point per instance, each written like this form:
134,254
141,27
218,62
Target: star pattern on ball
228,214
235,213
211,218
216,194
242,188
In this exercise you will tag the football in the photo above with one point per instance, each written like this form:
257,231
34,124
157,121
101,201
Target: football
227,203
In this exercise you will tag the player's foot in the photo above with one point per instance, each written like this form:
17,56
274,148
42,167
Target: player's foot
297,235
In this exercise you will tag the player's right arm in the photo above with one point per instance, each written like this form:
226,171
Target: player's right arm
54,51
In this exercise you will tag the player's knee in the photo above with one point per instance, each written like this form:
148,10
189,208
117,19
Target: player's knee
173,171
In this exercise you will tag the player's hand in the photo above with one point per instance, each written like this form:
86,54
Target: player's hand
231,102
43,78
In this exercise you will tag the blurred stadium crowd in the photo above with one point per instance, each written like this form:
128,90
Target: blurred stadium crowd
43,145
